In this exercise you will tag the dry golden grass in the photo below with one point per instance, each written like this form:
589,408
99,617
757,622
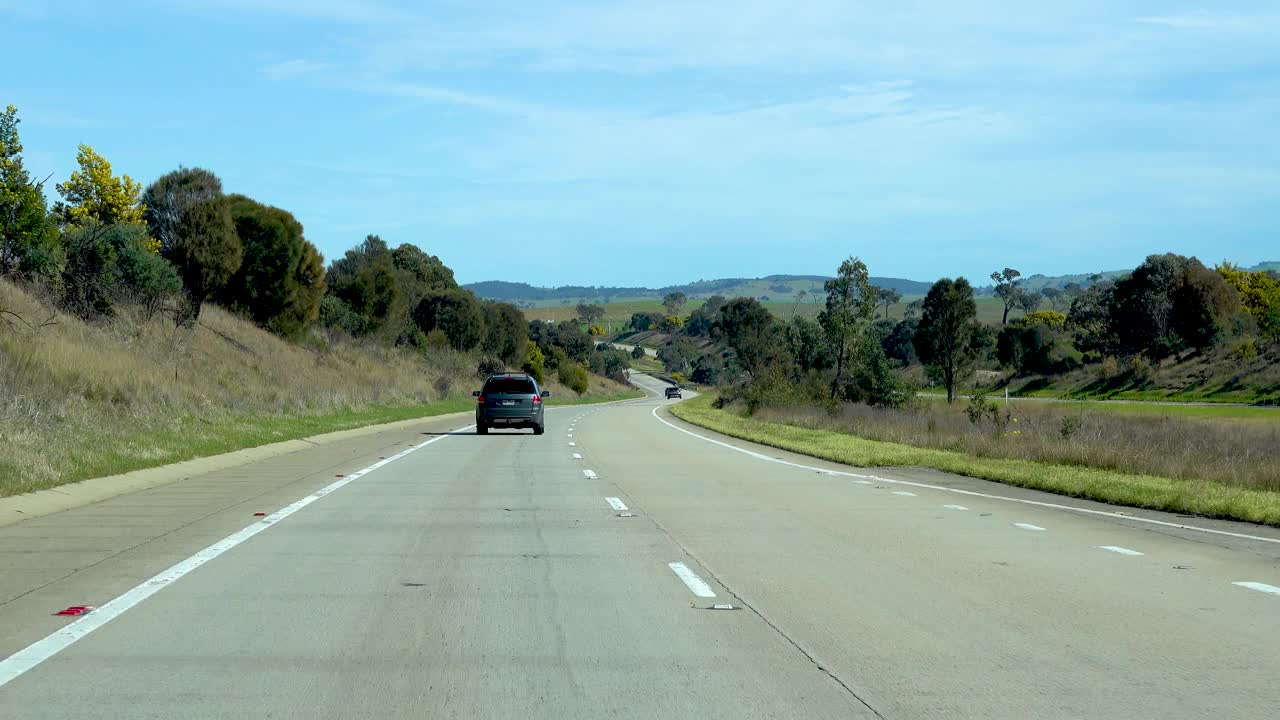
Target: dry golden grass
83,399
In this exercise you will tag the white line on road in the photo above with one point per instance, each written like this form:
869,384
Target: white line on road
695,583
615,503
904,493
577,456
1029,526
955,507
573,444
971,493
1119,550
41,650
1260,587
860,482
591,474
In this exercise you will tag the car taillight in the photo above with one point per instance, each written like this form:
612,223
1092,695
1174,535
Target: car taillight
536,399
480,398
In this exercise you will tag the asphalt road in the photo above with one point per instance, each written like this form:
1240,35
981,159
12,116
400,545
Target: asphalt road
502,576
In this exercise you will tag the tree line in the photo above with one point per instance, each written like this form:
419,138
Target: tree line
1170,305
181,242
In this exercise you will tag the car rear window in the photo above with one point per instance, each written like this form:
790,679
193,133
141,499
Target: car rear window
510,386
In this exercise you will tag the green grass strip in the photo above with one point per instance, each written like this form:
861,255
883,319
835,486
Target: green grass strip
1207,499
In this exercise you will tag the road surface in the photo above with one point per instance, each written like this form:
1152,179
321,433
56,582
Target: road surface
577,575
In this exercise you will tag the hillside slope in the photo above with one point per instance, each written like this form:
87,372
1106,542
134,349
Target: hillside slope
81,400
774,287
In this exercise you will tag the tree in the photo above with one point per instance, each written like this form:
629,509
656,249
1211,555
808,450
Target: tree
1007,290
428,270
673,301
752,333
590,313
808,344
281,280
898,344
28,240
637,352
947,323
365,279
1169,303
851,306
1259,295
1055,297
1028,301
506,334
703,317
190,221
94,195
456,313
642,321
887,298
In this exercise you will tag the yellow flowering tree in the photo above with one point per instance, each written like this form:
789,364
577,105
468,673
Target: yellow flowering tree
93,195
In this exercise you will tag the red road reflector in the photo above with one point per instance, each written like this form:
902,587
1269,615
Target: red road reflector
259,514
75,610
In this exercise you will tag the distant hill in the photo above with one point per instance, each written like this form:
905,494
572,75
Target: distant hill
773,287
1273,265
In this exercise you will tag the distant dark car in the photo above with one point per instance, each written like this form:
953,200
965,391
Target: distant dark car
674,392
510,400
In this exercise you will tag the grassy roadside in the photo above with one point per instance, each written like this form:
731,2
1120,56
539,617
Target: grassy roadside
188,437
1220,410
1157,493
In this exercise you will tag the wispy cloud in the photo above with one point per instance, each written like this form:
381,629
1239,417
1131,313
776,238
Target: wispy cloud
287,69
1200,20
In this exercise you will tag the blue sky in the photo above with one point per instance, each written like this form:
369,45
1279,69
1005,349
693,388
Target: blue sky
660,141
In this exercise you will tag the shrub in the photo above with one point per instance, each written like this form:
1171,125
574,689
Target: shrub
573,376
637,352
1245,350
596,330
1142,370
106,264
1109,368
489,366
533,361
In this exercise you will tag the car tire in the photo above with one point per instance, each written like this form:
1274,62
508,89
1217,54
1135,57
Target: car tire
481,428
538,429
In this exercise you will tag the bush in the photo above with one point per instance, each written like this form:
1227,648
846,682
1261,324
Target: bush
1142,370
489,366
596,330
533,361
1110,368
106,264
573,376
336,314
1245,350
637,352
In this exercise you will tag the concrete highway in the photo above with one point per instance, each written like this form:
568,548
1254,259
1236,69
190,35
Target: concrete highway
628,565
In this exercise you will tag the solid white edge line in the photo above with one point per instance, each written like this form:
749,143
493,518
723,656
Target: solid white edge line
1260,587
1119,550
1029,526
971,493
616,503
691,580
955,507
39,651
904,493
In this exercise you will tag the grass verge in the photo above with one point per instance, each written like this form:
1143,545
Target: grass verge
188,437
1208,499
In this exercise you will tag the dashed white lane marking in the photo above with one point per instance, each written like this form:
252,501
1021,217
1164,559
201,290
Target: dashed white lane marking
970,493
904,493
577,456
694,583
1260,587
41,650
1029,526
1118,550
860,482
955,507
573,444
591,474
615,503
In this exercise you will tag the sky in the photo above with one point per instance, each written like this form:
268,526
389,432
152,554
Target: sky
658,142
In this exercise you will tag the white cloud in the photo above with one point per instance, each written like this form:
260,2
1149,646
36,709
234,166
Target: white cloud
1200,20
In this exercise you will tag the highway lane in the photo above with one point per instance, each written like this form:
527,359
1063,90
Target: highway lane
490,576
